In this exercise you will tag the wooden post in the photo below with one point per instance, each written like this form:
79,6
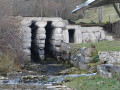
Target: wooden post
100,14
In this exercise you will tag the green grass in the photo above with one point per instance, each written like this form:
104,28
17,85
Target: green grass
92,83
101,46
91,15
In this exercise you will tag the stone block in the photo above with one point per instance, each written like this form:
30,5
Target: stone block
42,57
27,35
93,37
27,40
57,37
40,36
109,38
85,37
52,19
55,42
41,52
25,29
26,45
57,49
97,35
66,22
77,36
65,36
26,22
72,26
40,41
27,52
41,31
58,24
41,24
57,31
102,35
41,45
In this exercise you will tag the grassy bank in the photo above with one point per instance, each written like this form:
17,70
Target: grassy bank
93,83
101,46
108,13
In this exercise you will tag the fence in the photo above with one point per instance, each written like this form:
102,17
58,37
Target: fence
113,28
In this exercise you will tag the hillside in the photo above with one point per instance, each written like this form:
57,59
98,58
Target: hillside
108,12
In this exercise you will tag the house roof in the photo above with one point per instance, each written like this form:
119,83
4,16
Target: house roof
94,3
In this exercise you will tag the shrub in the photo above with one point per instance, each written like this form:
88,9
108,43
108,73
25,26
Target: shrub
7,62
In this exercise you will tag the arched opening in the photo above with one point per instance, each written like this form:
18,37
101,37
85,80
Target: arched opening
48,41
34,48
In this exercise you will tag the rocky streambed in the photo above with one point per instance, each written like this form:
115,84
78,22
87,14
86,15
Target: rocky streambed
47,74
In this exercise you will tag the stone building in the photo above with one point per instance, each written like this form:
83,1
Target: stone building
42,35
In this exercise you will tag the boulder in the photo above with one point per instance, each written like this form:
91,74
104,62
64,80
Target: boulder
83,66
82,50
105,70
41,24
89,52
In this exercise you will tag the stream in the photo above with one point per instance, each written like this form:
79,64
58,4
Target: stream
40,74
50,80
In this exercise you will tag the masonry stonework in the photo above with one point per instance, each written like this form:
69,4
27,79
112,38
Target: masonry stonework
42,35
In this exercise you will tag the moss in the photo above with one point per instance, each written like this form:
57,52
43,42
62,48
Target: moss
95,58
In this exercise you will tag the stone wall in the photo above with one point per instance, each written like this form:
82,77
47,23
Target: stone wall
84,34
39,35
111,57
